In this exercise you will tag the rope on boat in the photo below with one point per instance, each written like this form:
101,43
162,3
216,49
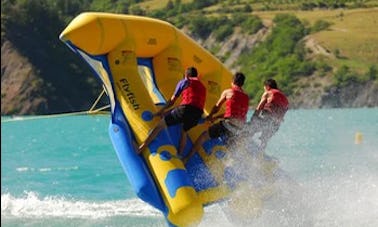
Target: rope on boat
91,111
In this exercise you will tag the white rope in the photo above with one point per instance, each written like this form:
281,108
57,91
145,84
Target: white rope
88,112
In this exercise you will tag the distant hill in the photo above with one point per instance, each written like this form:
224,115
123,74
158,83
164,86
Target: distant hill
40,75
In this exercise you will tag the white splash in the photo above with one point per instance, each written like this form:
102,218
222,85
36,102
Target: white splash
32,206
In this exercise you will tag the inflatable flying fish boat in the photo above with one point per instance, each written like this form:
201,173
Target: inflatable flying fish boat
139,61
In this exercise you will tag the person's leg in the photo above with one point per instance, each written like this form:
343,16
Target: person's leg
151,136
255,125
264,142
182,142
191,116
215,131
268,131
200,140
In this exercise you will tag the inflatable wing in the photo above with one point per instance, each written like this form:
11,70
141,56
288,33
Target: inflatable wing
139,60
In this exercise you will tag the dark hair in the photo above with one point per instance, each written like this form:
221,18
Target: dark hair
239,79
191,72
271,83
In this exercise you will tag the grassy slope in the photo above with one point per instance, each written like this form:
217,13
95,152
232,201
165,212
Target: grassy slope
356,34
158,4
353,32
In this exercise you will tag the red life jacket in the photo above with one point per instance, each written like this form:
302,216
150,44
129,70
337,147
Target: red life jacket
237,105
194,94
278,104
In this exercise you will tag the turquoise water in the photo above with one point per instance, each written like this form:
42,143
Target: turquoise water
65,172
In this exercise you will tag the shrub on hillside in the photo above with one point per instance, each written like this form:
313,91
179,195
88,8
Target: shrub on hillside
252,24
320,25
344,76
203,26
223,32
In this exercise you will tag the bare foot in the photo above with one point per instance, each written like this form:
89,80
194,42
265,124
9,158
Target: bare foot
138,149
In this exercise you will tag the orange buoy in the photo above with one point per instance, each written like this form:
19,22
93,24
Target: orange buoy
358,138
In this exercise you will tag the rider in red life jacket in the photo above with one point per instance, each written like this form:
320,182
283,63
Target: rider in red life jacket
237,105
234,118
193,92
188,113
269,113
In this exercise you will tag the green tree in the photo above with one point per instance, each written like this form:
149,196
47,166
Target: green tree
169,5
280,56
372,74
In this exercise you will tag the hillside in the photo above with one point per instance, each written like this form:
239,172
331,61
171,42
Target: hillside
19,83
350,40
46,77
312,91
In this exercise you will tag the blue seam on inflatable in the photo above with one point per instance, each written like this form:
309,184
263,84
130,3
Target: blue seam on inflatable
165,155
173,184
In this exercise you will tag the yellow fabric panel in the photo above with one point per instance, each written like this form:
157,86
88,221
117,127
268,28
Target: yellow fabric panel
130,89
99,33
190,216
96,35
168,70
152,37
82,27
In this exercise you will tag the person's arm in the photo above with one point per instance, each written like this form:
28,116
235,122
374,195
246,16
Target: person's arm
182,84
263,101
218,116
260,106
167,106
217,106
